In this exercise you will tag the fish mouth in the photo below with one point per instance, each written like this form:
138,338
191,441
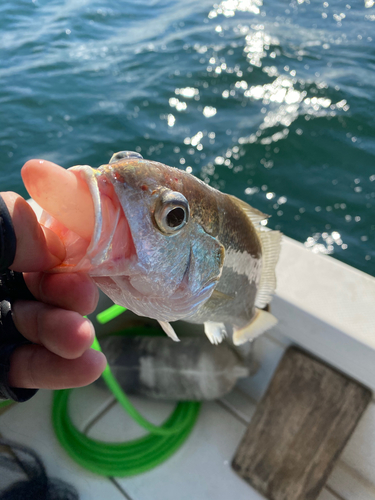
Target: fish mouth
111,248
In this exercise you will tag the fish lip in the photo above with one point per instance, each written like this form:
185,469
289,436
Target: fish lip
90,176
98,252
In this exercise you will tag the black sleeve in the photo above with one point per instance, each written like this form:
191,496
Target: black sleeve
12,287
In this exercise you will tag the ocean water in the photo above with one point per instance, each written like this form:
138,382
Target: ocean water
271,101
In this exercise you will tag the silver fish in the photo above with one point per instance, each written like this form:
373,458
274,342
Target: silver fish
168,246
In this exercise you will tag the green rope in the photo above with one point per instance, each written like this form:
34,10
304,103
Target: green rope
3,404
131,457
109,314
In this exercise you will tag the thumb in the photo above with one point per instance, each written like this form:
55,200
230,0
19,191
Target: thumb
38,248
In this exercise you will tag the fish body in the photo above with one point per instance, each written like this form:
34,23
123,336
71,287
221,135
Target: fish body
168,246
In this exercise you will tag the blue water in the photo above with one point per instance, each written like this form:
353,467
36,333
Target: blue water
272,102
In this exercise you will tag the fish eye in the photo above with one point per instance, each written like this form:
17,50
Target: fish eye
122,155
172,212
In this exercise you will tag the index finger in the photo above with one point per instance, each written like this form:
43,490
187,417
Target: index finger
38,248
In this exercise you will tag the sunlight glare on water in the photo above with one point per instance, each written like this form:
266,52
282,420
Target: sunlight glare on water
270,101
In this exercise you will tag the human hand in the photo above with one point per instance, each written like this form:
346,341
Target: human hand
60,356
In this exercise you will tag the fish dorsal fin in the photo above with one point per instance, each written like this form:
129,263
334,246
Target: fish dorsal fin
252,213
271,242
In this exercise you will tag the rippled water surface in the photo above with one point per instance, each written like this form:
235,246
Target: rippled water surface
272,102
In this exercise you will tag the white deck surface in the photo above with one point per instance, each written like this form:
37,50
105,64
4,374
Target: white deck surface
199,470
327,307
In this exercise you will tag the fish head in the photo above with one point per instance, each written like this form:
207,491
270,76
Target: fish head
159,258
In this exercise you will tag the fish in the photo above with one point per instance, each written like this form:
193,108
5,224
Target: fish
168,246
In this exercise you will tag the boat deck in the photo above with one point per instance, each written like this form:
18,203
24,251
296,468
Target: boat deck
201,469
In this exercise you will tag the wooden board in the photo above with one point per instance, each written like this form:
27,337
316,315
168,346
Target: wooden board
299,428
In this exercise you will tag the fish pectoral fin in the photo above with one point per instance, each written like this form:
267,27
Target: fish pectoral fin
215,331
168,329
221,295
262,322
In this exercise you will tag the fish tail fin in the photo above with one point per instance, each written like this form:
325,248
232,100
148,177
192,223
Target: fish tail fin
271,242
261,322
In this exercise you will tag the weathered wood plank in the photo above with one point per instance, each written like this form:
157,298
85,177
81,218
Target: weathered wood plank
299,428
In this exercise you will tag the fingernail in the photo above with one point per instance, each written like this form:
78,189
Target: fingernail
92,330
99,358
